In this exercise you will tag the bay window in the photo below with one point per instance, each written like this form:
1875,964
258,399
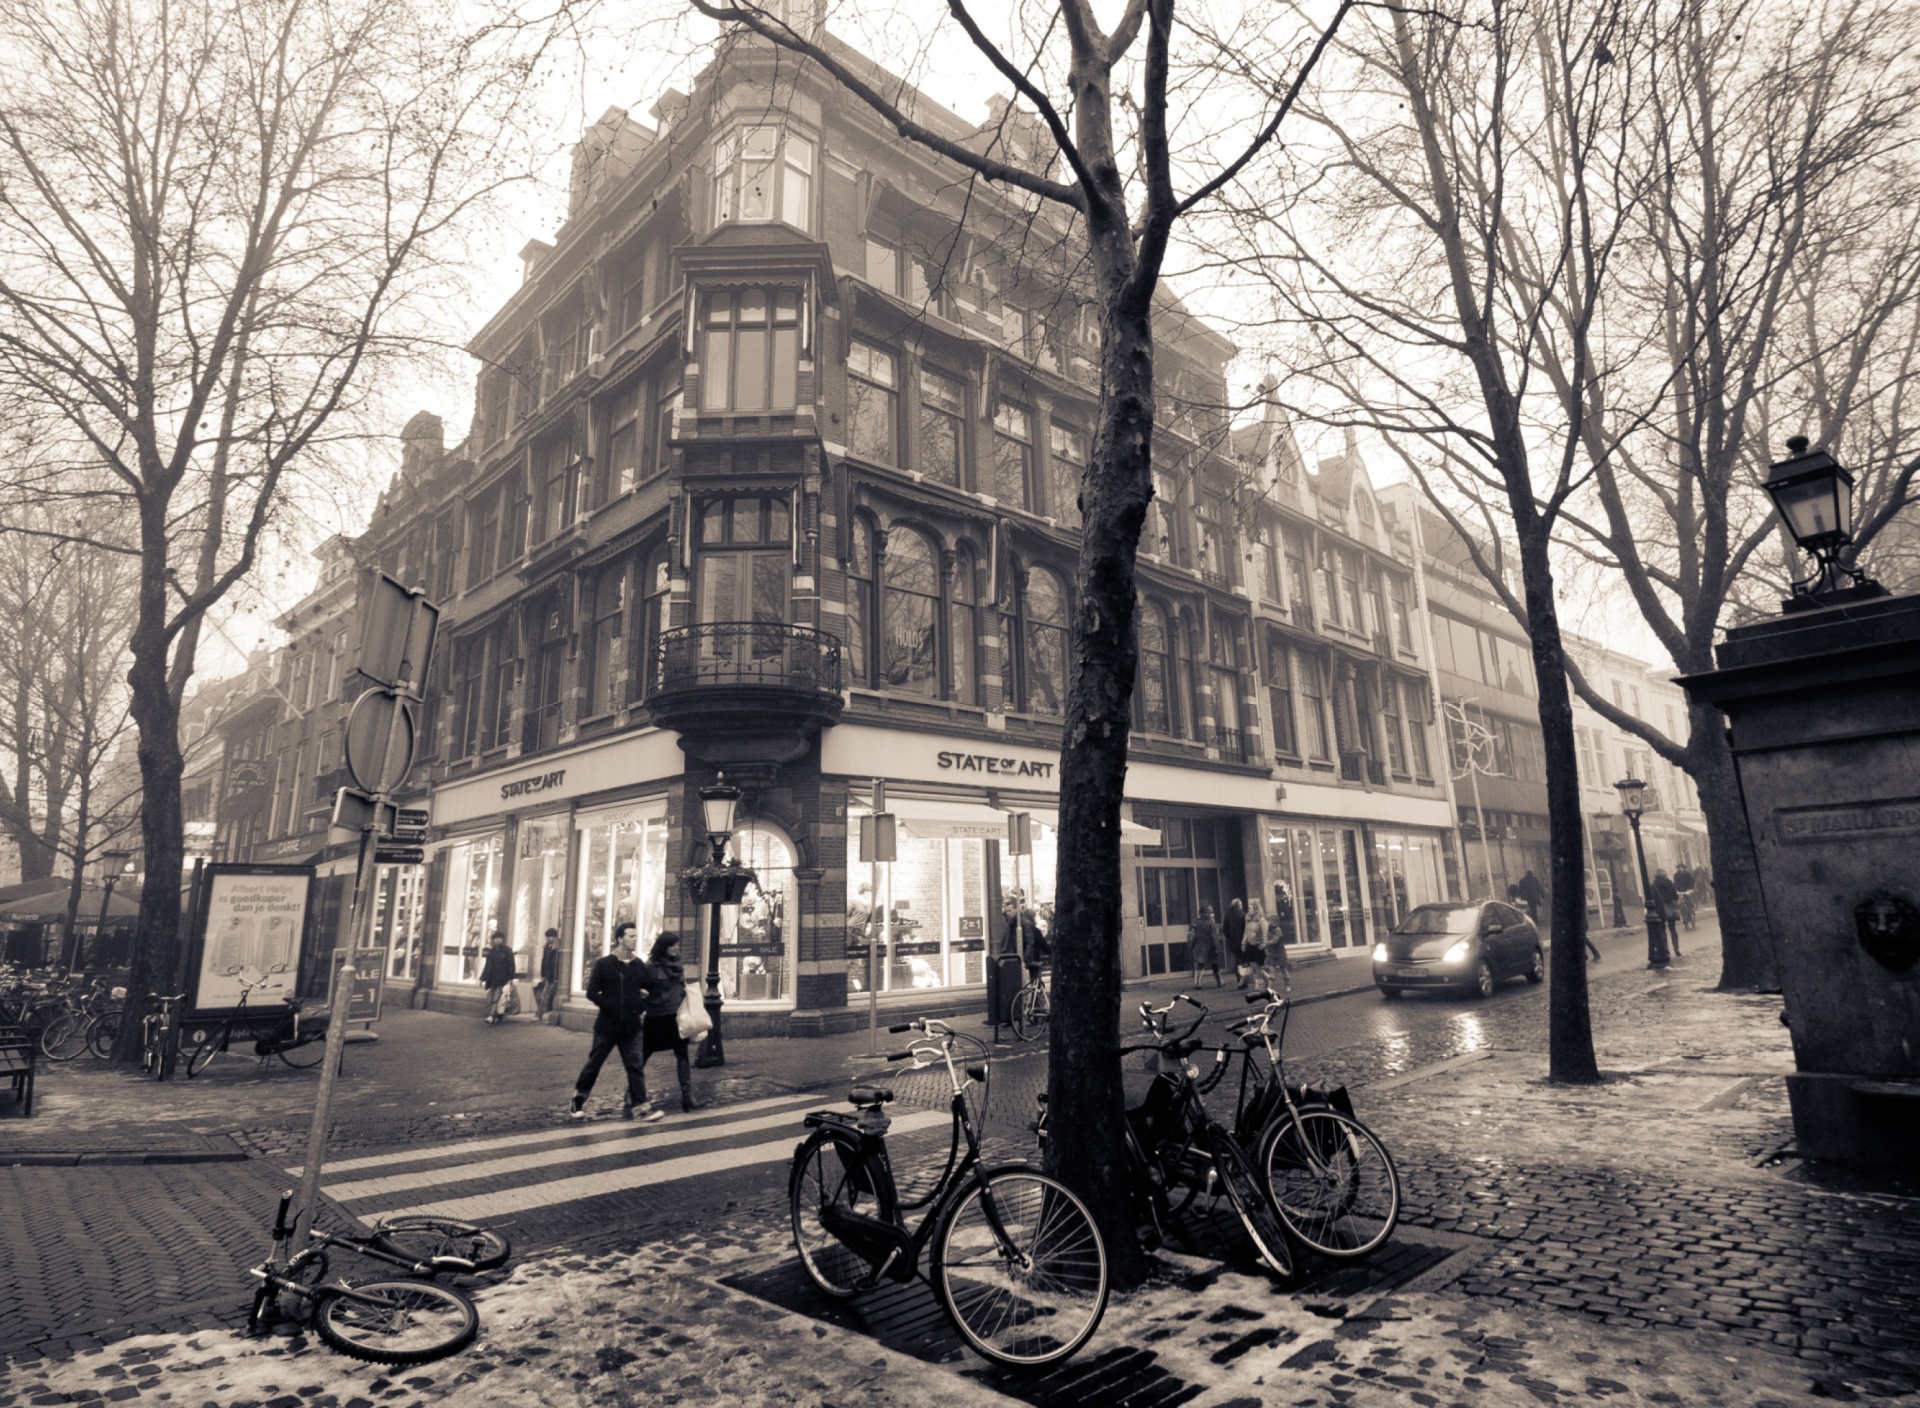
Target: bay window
763,174
750,354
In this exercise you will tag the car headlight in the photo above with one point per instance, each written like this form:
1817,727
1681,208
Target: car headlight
1379,953
1456,954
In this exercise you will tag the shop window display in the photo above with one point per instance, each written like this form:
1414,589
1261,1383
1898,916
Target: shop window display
539,888
399,893
623,872
472,906
757,935
935,894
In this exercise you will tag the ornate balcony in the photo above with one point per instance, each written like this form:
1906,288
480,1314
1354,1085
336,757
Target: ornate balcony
741,693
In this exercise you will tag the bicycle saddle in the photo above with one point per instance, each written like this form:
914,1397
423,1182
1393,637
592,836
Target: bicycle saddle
868,1097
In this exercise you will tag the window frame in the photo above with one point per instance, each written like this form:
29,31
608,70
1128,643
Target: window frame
790,185
1063,489
1277,677
605,645
867,364
955,419
720,390
934,603
1006,416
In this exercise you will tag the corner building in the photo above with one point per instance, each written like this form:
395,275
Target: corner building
773,474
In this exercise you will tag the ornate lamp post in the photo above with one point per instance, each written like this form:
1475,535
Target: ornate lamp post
1814,497
113,864
1633,801
718,883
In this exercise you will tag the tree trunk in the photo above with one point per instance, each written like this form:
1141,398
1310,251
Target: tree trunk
1746,939
156,948
1087,1145
1570,1056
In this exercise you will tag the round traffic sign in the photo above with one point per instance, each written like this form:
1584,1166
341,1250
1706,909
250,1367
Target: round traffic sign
380,734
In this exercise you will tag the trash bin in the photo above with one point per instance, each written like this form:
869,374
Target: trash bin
1005,976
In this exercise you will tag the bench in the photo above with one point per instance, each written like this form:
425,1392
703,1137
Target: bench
18,1054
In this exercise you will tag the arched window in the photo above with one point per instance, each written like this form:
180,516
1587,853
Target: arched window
1153,698
860,614
1045,643
961,629
910,639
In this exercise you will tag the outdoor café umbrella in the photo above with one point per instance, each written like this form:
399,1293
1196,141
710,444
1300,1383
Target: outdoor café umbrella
45,902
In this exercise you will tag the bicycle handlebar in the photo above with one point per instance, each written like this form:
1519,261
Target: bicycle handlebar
280,1227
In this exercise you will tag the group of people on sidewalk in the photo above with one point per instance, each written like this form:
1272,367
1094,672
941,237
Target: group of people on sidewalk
1252,944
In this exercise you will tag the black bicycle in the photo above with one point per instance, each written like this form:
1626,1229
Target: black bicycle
1179,1152
397,1321
1014,1256
1032,1007
158,1043
1329,1177
296,1039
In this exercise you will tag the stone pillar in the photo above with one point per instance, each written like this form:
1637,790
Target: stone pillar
1825,714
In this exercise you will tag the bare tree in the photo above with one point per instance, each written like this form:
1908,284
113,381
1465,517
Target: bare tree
1769,283
1110,102
1458,205
216,218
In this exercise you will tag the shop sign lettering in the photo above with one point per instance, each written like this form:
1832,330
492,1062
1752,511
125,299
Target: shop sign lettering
540,783
1004,767
1855,819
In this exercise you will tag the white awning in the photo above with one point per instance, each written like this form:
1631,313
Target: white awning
1132,833
941,821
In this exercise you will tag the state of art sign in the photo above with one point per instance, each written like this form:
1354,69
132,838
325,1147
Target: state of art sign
994,764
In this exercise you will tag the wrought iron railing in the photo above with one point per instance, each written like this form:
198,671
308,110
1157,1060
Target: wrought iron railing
1353,766
1376,772
768,654
1237,745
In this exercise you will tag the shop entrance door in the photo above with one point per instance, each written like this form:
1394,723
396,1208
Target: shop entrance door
1175,879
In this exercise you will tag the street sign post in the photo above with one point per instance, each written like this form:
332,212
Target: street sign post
397,629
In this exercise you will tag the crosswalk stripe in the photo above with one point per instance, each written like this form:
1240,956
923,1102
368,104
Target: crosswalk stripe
508,1201
639,1140
441,1152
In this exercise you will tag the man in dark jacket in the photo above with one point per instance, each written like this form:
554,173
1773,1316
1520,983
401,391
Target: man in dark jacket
546,992
618,987
1535,894
497,976
1667,902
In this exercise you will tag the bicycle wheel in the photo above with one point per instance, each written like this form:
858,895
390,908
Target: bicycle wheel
203,1050
1241,1180
423,1238
395,1322
1332,1182
101,1031
828,1172
1030,1011
304,1057
1036,1294
166,1039
63,1038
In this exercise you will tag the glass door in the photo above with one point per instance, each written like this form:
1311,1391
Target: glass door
744,569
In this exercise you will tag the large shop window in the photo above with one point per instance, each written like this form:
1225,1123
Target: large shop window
474,873
539,887
763,173
623,875
1317,881
1404,870
758,936
750,358
399,900
938,933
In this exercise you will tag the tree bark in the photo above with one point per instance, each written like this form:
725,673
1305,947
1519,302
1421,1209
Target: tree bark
1747,961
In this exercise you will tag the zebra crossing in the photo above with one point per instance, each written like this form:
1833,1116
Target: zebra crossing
504,1175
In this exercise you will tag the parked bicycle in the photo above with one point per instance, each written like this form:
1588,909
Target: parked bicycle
396,1321
104,1025
1330,1178
1014,1256
283,1034
65,1034
1032,1006
158,1041
1178,1151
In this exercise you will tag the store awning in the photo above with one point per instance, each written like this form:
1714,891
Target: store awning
1132,833
941,821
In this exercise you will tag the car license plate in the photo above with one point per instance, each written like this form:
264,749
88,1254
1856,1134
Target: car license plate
1408,970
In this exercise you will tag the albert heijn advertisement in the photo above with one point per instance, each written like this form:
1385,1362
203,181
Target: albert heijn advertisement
246,947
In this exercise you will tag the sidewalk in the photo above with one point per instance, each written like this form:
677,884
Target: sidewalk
430,1075
1644,1241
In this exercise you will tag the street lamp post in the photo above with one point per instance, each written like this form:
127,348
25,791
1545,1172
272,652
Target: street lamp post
1633,801
717,803
113,863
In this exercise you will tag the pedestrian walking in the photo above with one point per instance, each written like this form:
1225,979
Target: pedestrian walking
546,992
1668,899
1233,929
496,974
1252,966
666,990
1203,945
1593,950
617,985
1534,893
1683,883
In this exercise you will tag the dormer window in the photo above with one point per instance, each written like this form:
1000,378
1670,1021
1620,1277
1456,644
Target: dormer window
763,174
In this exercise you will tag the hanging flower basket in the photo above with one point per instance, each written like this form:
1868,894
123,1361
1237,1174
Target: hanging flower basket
717,884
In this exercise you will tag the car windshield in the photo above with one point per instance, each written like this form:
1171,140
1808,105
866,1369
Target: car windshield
1440,919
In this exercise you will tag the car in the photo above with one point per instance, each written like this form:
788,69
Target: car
1470,946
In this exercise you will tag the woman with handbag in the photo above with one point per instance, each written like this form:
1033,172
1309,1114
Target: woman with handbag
667,994
497,977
